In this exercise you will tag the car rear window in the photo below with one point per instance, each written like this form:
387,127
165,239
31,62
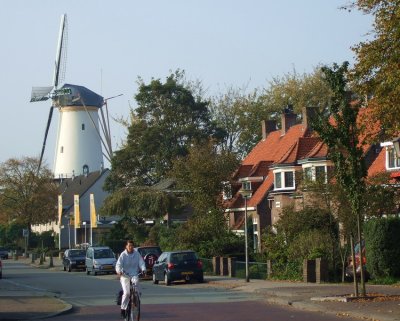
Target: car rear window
77,253
184,256
103,254
147,250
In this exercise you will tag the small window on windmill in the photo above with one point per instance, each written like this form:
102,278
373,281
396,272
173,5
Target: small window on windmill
85,170
83,126
62,149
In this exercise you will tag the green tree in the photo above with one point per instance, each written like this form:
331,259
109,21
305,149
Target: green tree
239,114
169,118
26,196
339,130
376,72
138,203
297,90
202,173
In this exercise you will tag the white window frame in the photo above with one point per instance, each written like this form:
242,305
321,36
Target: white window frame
390,150
282,172
313,167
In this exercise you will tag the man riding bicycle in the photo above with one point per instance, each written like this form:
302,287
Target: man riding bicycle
129,263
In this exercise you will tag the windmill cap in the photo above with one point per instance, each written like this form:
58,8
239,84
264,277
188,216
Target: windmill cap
74,95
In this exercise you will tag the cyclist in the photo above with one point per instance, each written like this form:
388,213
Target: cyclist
129,263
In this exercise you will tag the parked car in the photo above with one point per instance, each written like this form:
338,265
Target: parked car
1,269
74,259
177,266
100,259
150,255
3,253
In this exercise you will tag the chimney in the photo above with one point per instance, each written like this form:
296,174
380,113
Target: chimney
267,126
288,119
308,114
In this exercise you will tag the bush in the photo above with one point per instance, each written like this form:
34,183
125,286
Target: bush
382,239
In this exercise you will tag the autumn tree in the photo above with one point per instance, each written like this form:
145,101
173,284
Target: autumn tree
376,72
26,196
337,126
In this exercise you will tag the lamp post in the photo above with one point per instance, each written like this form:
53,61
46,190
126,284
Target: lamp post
246,194
84,224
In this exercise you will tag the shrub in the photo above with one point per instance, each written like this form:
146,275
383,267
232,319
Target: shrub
382,238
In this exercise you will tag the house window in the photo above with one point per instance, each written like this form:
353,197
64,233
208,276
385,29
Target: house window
392,160
320,173
307,174
315,173
246,186
289,179
278,180
284,180
83,126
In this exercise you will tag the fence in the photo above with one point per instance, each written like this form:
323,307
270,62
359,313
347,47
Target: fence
311,271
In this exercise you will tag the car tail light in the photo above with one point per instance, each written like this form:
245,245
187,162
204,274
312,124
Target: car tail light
199,264
170,266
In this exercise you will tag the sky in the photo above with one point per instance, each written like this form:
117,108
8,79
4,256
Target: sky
222,43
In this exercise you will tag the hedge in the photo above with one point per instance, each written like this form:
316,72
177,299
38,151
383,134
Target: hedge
382,239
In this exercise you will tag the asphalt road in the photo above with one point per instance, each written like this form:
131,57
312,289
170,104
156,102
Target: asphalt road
93,298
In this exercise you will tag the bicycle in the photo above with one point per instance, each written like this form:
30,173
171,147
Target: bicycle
133,308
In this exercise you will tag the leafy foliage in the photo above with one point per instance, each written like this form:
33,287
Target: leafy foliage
202,173
26,196
382,247
139,203
167,120
376,71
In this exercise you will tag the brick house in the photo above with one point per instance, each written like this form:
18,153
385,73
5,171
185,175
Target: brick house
271,171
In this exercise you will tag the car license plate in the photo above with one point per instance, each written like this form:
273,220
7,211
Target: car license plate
107,267
81,265
186,273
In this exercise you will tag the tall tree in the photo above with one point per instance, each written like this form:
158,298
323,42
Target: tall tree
202,173
168,119
26,196
376,72
339,130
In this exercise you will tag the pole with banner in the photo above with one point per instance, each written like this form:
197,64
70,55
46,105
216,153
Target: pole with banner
93,217
60,208
77,216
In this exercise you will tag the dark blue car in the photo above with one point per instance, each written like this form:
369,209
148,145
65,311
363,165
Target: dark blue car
178,266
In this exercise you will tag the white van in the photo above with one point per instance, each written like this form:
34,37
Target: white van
100,259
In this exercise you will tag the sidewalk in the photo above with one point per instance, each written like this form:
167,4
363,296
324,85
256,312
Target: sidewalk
326,298
19,303
22,303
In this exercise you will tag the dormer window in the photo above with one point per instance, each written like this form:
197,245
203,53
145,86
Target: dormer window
315,172
284,179
392,160
246,186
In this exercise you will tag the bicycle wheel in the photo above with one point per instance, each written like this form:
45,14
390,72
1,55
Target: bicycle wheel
135,307
128,312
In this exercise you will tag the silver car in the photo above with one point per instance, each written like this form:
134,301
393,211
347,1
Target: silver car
100,259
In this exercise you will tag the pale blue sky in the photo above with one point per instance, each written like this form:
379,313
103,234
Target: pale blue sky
110,43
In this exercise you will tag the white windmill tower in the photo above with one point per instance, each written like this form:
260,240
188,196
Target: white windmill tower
81,133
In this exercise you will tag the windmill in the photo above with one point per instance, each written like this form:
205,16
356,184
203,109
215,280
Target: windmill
81,133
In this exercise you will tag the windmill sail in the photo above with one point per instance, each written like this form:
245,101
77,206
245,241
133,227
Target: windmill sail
44,93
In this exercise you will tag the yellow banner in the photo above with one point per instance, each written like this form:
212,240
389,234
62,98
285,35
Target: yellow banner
77,212
60,208
93,216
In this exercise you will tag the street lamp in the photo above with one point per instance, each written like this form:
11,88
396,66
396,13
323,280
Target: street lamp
246,194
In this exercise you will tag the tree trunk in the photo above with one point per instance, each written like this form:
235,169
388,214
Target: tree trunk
362,279
353,258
